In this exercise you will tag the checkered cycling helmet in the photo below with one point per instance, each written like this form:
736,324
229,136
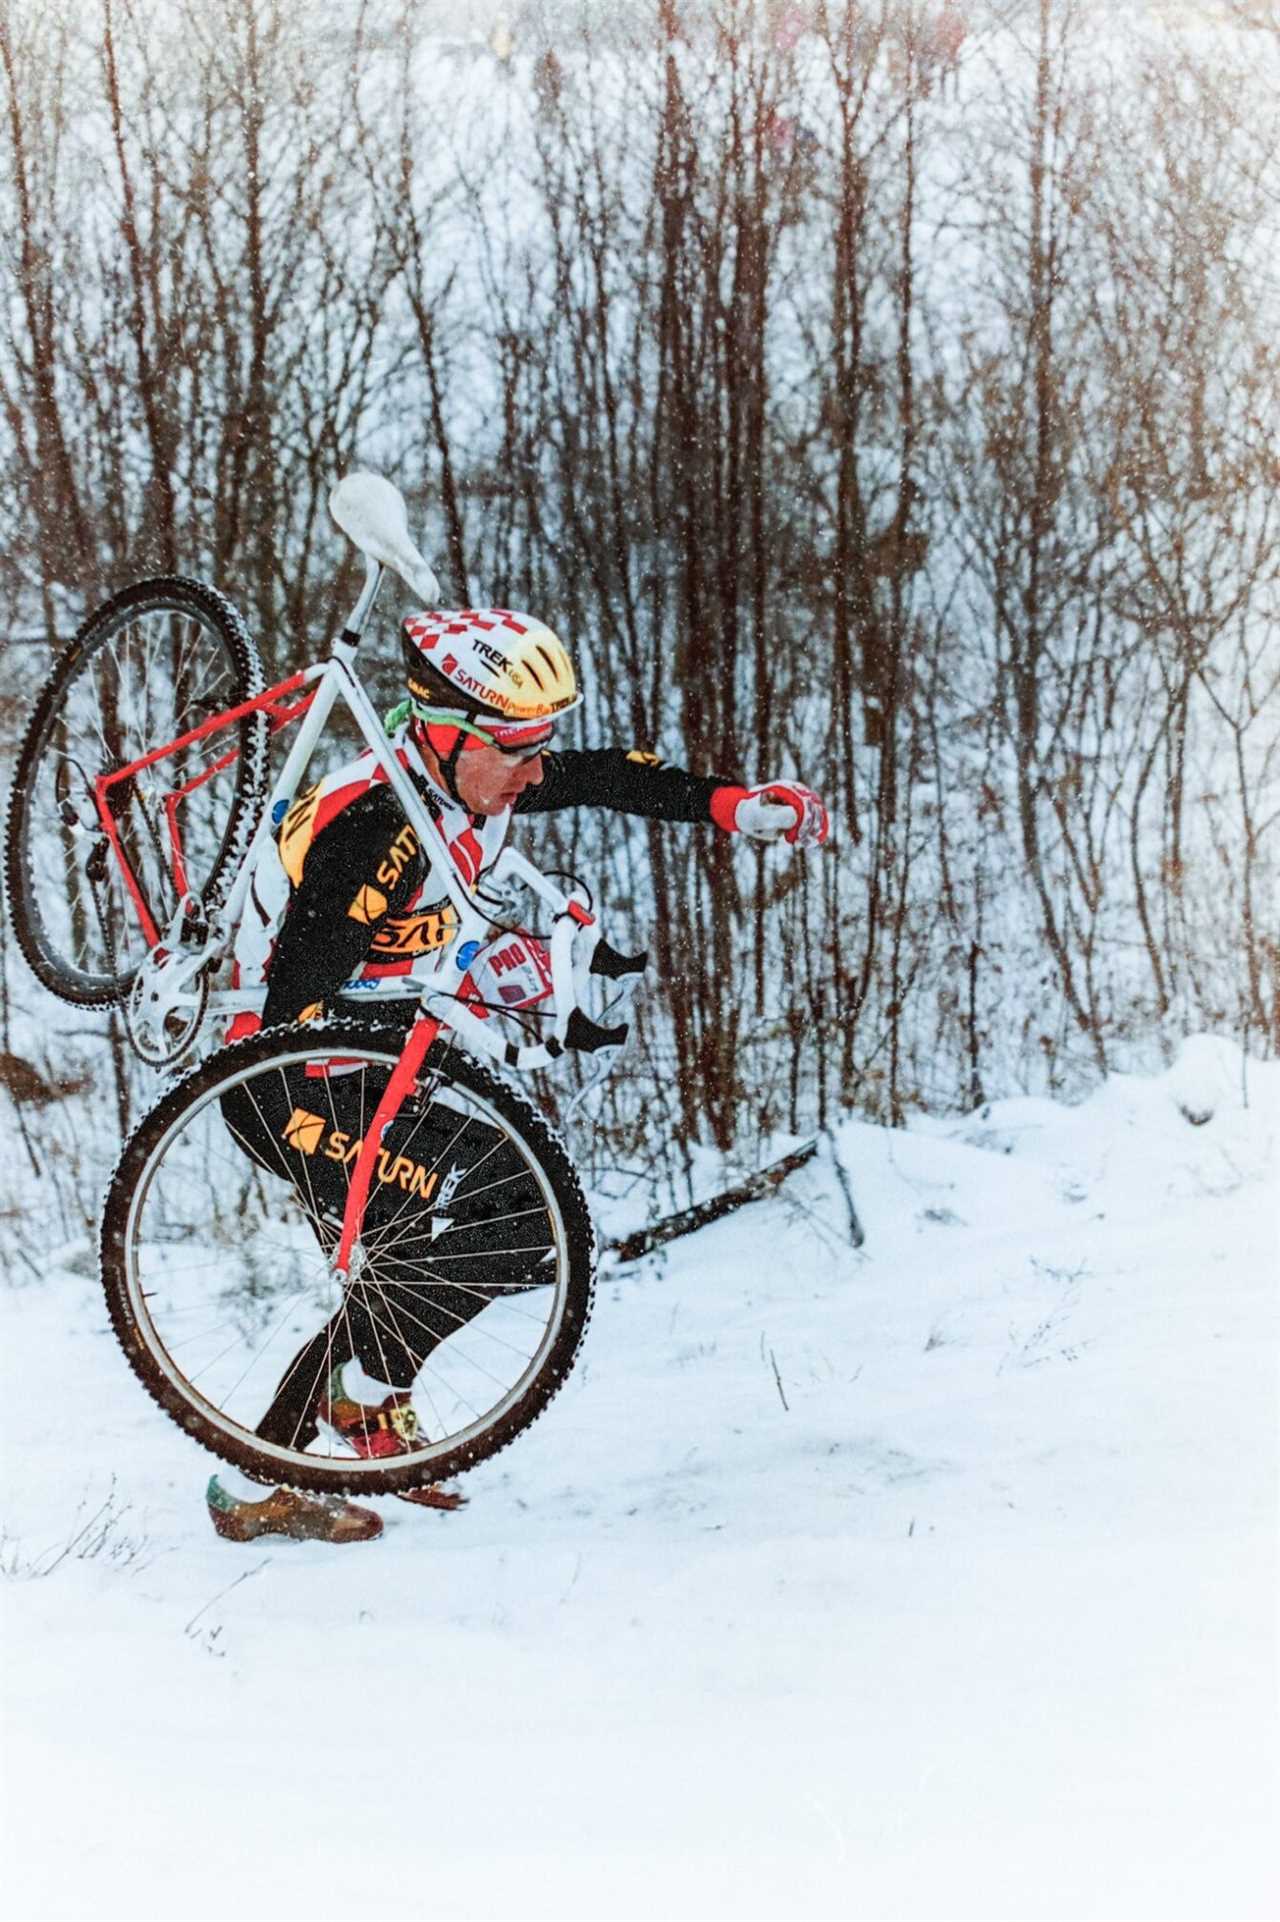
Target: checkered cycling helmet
488,664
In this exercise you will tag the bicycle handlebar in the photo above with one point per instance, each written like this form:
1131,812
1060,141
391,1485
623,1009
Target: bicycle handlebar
576,1031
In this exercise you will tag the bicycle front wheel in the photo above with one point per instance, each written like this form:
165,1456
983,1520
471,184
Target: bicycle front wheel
150,667
469,1294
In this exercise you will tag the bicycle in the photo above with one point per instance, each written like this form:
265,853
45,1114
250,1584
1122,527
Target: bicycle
217,1254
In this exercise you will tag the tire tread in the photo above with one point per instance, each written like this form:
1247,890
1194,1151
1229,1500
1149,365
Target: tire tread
338,1035
69,984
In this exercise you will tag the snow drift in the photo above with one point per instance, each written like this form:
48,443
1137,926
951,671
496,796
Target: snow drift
935,1579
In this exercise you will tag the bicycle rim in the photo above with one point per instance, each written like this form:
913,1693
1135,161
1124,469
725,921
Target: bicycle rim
225,1278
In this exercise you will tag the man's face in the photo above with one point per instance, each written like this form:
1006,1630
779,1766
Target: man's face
489,780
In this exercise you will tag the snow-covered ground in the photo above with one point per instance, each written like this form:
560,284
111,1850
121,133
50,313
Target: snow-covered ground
980,1623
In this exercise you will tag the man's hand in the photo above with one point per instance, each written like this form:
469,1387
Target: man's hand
779,810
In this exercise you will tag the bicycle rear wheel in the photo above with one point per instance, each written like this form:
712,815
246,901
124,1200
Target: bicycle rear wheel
472,1288
154,663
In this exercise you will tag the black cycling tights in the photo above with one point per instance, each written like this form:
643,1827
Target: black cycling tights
307,1130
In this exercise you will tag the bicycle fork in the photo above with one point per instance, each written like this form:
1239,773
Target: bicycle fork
403,1075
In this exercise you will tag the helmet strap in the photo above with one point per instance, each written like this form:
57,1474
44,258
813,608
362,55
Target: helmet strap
445,761
449,766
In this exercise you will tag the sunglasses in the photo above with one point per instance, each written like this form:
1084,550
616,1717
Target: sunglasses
517,740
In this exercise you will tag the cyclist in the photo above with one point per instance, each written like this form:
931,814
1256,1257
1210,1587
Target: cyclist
346,895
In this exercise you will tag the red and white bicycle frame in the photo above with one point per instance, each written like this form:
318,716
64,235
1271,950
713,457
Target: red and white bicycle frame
175,962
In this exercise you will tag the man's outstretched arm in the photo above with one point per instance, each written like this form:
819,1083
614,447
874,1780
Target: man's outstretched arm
631,781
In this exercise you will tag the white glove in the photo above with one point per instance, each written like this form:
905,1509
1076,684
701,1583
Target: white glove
782,810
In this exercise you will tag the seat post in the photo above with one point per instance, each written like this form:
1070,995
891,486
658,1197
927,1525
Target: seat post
354,629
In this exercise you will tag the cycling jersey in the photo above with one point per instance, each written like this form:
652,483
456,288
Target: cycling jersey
346,894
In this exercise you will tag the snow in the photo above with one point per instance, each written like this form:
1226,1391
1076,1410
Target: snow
981,1623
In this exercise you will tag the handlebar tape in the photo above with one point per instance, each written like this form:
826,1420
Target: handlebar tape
614,966
587,1036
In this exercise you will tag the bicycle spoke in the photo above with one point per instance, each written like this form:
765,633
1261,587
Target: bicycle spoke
154,673
430,1370
231,1250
